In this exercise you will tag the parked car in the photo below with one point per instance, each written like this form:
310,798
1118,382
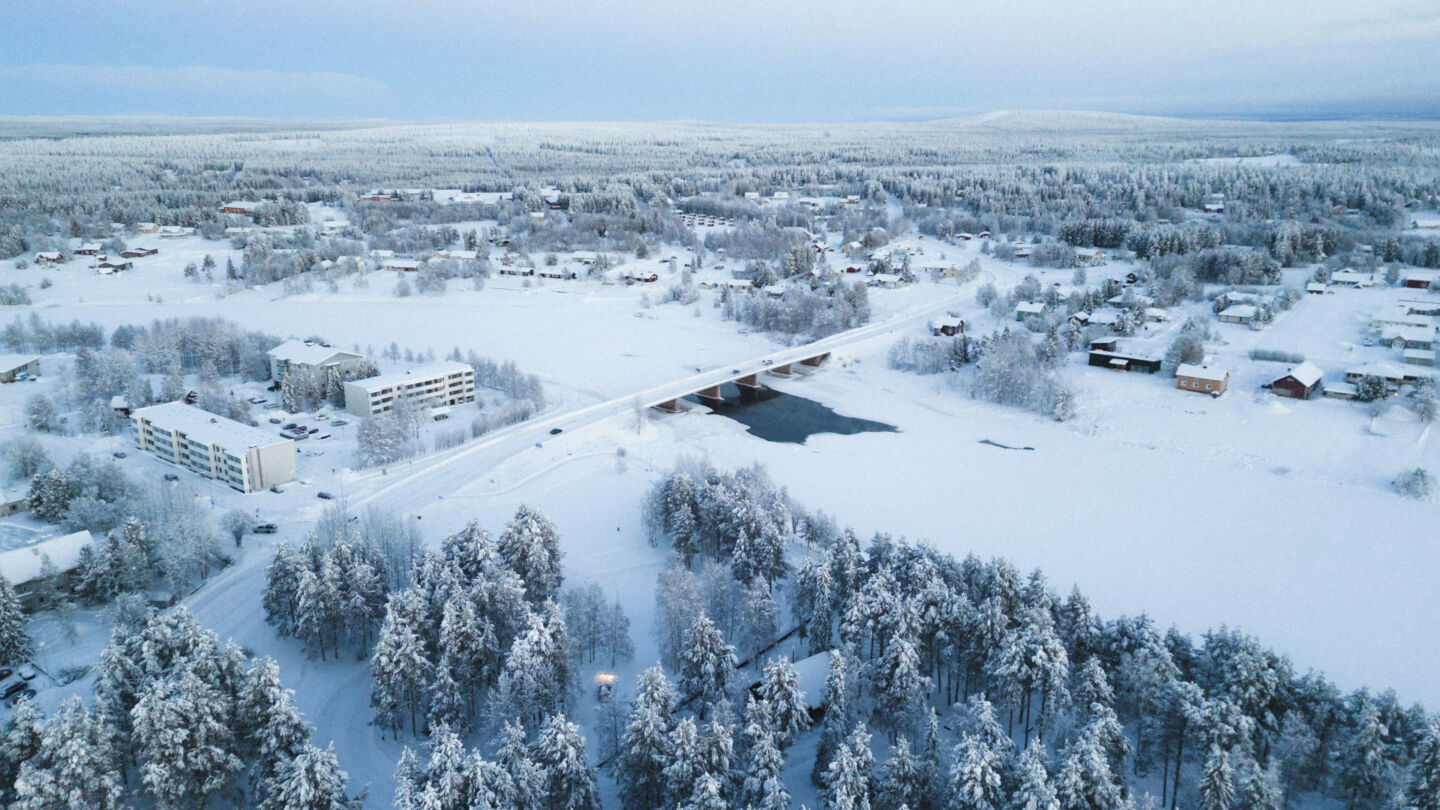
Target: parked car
171,477
313,431
300,428
118,454
27,672
289,426
266,528
323,436
339,423
23,694
276,489
275,420
325,495
321,417
256,400
12,688
555,431
5,672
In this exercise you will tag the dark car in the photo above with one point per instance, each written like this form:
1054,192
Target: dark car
171,477
289,426
266,528
11,689
555,431
118,454
15,699
339,423
325,495
275,420
276,489
27,672
5,672
313,431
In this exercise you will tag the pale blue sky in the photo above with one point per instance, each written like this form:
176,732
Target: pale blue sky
723,60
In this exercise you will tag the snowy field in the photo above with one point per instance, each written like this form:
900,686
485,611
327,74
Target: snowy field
1246,511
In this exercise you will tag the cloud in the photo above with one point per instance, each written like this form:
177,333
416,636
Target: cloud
189,86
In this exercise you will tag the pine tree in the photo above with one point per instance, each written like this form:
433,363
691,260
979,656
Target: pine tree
685,764
976,775
1033,790
267,722
847,779
20,740
15,645
569,781
399,667
707,663
780,689
1261,789
709,794
526,789
837,719
758,620
1085,781
73,768
1365,773
1423,790
645,751
447,702
530,547
311,781
184,733
901,780
1217,782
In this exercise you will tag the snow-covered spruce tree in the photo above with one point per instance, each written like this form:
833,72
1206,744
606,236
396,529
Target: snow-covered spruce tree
399,668
527,781
183,733
847,779
684,765
20,740
707,664
74,766
838,717
976,774
780,690
677,605
560,753
530,546
813,604
901,782
268,724
1260,789
645,750
757,620
15,644
1085,781
1366,776
312,780
1422,792
1217,781
1033,790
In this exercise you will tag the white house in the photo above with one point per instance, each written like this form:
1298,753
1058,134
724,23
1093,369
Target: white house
29,567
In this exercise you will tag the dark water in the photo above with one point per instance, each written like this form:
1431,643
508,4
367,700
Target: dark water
776,417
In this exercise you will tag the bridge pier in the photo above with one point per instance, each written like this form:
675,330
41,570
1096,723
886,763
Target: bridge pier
749,381
711,394
781,371
670,406
814,362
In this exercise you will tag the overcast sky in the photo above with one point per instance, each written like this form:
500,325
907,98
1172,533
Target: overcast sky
720,60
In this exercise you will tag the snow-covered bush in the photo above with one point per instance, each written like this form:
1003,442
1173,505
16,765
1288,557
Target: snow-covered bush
1417,483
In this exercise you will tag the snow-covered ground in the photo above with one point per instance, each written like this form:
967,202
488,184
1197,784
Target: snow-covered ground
1271,515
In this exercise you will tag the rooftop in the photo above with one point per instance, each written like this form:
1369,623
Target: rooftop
1201,372
207,428
410,375
25,564
9,362
1307,374
306,352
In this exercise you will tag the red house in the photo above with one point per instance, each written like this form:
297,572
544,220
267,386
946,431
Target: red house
1300,382
139,252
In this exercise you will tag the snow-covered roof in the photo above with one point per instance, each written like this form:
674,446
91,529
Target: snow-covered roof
1420,354
206,428
1238,311
1381,369
11,362
810,676
1103,318
305,352
394,378
25,564
1315,285
1031,307
49,255
1351,277
1307,374
951,322
1201,372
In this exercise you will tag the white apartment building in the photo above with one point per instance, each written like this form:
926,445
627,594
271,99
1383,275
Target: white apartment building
431,386
315,358
244,457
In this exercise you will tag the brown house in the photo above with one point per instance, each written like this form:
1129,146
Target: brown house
1301,382
1205,380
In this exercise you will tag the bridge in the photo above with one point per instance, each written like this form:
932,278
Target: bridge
747,378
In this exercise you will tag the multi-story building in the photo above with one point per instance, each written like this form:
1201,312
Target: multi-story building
431,386
244,457
314,358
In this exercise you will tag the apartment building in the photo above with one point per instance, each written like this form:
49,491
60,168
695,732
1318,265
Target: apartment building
243,457
313,358
431,386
